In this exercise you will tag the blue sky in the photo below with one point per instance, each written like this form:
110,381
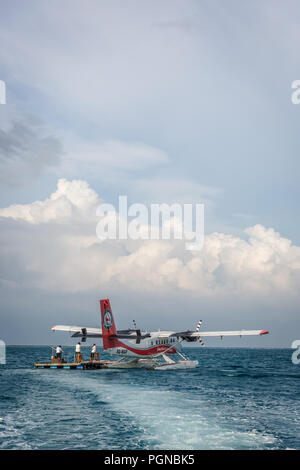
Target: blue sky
169,101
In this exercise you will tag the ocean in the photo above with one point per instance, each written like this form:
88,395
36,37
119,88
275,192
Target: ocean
236,399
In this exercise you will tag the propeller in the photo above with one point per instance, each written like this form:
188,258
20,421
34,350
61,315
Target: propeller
83,330
198,329
138,333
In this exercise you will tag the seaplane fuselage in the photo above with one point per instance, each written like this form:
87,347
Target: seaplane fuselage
159,342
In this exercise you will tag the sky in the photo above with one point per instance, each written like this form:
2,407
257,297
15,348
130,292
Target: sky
175,101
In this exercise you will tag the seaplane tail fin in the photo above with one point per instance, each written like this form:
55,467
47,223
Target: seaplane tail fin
109,331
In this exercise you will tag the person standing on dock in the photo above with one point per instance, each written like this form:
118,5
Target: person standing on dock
58,352
77,351
93,351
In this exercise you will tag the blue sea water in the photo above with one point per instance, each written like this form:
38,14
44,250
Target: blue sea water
236,399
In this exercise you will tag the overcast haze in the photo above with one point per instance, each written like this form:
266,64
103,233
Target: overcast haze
174,101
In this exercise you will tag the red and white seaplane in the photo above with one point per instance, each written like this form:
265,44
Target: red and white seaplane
146,349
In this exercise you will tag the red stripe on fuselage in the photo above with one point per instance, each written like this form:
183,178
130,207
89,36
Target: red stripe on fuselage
145,352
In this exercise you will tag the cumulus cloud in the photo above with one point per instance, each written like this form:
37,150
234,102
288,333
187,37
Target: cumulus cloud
71,199
53,246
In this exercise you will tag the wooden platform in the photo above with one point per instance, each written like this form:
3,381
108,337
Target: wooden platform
74,365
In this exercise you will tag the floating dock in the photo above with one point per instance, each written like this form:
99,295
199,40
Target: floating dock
75,365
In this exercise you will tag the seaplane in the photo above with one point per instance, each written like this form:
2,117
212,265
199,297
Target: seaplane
142,349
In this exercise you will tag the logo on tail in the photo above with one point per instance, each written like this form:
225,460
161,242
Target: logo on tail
107,319
109,331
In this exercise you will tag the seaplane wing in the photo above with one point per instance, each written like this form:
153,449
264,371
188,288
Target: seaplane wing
192,335
87,332
79,331
232,333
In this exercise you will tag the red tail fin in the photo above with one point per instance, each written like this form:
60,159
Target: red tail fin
108,325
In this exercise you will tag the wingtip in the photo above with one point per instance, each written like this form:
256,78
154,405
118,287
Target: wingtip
264,332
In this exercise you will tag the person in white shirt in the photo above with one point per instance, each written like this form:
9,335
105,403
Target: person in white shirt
77,351
93,351
58,352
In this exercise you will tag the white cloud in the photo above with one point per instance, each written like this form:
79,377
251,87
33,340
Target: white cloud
60,252
72,199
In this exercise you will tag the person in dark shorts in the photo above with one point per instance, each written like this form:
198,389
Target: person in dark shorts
93,352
